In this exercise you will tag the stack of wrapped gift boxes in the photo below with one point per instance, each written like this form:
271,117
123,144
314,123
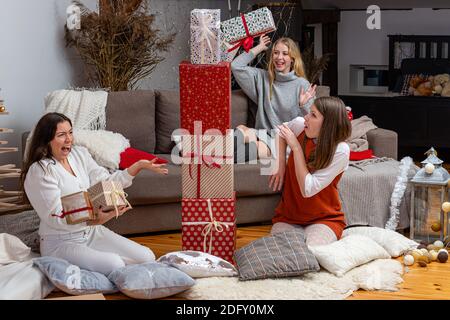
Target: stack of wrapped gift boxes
208,197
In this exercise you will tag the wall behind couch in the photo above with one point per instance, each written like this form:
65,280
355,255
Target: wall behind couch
35,61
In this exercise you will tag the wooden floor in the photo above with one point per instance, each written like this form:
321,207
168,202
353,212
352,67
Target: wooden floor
432,282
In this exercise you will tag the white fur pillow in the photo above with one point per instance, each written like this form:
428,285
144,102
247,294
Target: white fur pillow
104,146
393,242
12,249
349,252
198,264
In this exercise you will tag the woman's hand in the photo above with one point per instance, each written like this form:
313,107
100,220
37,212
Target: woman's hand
304,97
276,180
105,216
288,136
152,166
136,167
263,45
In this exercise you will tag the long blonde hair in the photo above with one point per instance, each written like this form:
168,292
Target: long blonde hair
294,54
336,128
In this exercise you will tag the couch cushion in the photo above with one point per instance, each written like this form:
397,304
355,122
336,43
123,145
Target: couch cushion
239,108
132,113
167,118
247,182
168,115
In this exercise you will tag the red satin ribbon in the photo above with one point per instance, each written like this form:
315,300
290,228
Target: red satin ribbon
66,213
208,160
247,42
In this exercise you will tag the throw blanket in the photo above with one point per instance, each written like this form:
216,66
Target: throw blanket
358,138
104,146
85,108
372,207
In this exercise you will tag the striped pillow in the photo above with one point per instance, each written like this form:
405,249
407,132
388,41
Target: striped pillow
283,254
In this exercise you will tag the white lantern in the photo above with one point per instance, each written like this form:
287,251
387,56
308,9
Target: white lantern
426,207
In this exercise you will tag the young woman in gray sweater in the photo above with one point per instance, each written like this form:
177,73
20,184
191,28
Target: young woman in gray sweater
282,93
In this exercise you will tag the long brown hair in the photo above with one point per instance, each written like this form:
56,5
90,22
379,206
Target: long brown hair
294,53
336,128
43,133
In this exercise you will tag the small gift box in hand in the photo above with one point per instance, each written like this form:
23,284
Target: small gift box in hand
108,195
77,208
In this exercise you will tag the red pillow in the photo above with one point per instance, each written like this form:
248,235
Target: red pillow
361,155
131,155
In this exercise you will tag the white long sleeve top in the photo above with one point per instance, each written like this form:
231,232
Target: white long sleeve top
319,179
47,181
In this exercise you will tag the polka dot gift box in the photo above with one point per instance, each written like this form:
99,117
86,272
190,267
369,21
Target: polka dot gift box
209,225
205,95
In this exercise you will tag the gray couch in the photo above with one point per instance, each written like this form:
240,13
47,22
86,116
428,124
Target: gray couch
148,117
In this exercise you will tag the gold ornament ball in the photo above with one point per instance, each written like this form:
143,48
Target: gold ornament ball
416,255
436,226
423,261
2,108
429,168
446,207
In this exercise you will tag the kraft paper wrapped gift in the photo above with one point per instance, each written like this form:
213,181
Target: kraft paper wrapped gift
207,170
77,208
241,30
205,36
107,194
209,225
205,96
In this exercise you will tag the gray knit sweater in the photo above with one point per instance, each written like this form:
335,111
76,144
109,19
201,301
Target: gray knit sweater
284,105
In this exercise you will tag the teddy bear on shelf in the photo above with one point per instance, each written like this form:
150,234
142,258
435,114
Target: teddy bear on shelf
441,84
420,86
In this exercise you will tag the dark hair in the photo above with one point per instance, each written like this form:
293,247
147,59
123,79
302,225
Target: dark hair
336,128
43,133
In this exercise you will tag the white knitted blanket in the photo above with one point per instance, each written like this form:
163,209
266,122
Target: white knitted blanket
85,108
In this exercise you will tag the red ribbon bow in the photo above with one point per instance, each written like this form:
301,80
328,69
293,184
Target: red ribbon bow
247,42
208,160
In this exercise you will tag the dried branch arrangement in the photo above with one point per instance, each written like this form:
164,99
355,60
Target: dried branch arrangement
118,43
314,66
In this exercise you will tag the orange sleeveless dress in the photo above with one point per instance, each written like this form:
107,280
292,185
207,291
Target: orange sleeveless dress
324,207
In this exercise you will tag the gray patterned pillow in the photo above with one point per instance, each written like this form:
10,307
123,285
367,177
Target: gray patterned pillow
283,254
151,280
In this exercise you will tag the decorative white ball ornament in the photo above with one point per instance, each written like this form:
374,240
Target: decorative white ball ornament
446,206
433,255
429,168
408,260
438,244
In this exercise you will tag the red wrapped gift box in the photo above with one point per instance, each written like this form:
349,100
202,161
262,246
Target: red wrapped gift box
205,95
209,225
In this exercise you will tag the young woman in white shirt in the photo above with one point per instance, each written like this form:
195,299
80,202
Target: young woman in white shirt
55,168
319,156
